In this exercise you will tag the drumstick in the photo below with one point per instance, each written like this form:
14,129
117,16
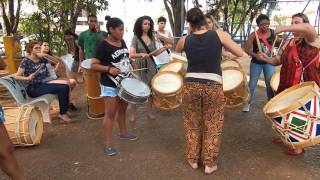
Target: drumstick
51,58
257,39
137,70
274,43
38,70
155,51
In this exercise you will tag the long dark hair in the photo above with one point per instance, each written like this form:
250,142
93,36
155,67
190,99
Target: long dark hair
196,18
137,30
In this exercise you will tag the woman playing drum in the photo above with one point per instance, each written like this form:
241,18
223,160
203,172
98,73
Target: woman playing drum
112,59
299,58
142,44
203,100
259,42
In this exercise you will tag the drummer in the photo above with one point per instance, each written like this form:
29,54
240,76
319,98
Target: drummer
203,99
307,47
266,37
8,162
112,59
142,44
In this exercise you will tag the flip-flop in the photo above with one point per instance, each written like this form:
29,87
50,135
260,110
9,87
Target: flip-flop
277,141
291,152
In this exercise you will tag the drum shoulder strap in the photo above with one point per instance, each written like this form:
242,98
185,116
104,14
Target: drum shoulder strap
147,49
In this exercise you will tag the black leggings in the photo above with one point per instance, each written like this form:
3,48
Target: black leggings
61,90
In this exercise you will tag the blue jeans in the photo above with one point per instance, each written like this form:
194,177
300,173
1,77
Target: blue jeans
1,115
255,71
61,90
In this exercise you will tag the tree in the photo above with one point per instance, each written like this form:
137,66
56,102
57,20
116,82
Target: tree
176,13
236,13
55,17
10,16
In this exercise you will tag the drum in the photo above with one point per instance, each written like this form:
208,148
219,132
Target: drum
274,81
230,63
235,87
2,74
176,66
295,115
24,125
92,84
133,91
167,90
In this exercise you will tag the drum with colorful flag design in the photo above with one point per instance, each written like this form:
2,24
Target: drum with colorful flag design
295,115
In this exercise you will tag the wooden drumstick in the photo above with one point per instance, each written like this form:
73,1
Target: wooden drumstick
156,51
257,39
137,70
274,43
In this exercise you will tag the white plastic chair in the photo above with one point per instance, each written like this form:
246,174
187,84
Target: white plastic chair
19,93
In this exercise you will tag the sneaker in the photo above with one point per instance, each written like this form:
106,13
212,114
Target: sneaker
110,151
210,170
246,108
72,107
128,136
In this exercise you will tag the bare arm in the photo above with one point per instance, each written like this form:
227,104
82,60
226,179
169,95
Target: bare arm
81,54
180,44
308,32
134,55
229,44
19,75
97,66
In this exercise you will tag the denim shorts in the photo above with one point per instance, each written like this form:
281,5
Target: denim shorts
1,116
107,91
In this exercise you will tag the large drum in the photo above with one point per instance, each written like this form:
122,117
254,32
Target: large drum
230,63
24,125
177,66
235,87
92,83
274,81
167,90
295,115
2,74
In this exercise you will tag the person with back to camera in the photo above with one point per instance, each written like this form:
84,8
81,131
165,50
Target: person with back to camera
203,99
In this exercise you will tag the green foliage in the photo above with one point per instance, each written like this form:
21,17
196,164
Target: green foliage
55,17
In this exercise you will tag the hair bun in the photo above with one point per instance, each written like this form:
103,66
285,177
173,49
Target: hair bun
107,17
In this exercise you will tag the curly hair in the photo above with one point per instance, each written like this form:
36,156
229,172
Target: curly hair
30,46
137,30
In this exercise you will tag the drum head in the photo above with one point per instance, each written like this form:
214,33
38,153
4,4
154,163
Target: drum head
135,87
275,80
229,63
167,82
231,78
86,64
173,67
33,122
284,100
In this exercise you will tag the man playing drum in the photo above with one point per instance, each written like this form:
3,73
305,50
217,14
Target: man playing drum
8,162
299,58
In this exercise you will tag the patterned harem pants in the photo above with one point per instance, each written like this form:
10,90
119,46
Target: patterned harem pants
203,115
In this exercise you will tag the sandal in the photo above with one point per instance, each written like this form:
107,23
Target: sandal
292,152
277,141
72,107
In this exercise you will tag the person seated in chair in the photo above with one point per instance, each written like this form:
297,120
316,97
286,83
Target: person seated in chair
34,72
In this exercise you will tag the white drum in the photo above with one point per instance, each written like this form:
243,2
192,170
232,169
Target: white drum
167,90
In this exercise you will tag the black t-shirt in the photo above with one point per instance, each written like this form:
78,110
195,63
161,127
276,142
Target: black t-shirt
118,57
